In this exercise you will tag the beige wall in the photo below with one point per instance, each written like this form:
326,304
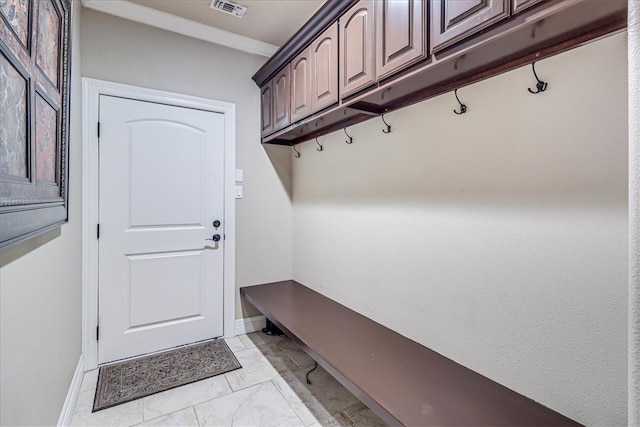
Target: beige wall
127,52
634,213
40,300
497,238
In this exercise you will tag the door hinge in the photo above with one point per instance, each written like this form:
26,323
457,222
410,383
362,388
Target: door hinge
97,333
98,231
98,129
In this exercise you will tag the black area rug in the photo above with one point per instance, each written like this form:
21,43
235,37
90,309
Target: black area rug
132,379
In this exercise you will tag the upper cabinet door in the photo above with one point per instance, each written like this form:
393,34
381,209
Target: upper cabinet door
301,87
357,48
282,99
520,5
401,34
324,69
266,98
454,20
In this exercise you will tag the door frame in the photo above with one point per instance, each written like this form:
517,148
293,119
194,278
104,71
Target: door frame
91,91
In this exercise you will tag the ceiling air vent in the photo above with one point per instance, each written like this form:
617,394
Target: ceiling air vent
229,7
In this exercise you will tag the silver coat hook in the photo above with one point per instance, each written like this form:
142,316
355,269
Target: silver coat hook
388,129
541,86
463,108
319,145
297,152
350,140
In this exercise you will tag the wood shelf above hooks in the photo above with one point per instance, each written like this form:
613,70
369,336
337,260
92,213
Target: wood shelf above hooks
510,42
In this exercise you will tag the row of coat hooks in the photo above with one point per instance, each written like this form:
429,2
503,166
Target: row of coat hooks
541,86
320,147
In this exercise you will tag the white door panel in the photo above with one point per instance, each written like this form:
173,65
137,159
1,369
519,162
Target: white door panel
161,188
157,275
166,178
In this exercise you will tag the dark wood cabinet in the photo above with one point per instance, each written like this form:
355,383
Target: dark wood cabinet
520,5
357,48
357,59
455,20
324,69
401,34
282,99
301,88
266,100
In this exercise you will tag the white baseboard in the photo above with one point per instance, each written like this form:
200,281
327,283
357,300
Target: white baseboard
72,395
249,324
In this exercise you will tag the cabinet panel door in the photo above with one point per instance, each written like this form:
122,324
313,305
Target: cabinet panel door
266,99
454,20
401,34
324,69
301,86
520,5
357,48
282,99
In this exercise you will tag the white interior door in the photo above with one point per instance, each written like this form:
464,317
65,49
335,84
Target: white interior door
161,190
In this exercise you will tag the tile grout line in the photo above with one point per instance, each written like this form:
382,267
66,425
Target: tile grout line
289,403
347,416
142,406
252,385
227,380
197,403
279,374
192,407
196,413
289,357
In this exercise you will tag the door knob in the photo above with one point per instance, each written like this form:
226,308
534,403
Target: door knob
215,238
216,224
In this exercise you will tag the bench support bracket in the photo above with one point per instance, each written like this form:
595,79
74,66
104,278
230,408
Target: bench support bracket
272,329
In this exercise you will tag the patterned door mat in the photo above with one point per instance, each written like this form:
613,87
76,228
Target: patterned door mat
136,378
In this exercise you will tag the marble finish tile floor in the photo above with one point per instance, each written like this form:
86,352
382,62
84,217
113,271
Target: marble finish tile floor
269,390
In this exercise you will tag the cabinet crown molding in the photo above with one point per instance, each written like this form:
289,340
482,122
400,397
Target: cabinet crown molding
328,13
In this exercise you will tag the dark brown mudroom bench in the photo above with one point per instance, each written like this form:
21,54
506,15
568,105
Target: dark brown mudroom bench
402,381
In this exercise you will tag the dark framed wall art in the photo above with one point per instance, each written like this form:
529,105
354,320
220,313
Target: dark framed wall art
34,117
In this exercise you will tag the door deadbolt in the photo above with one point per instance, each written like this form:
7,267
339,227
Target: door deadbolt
216,224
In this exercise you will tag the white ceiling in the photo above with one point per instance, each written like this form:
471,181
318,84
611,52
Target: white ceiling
269,21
